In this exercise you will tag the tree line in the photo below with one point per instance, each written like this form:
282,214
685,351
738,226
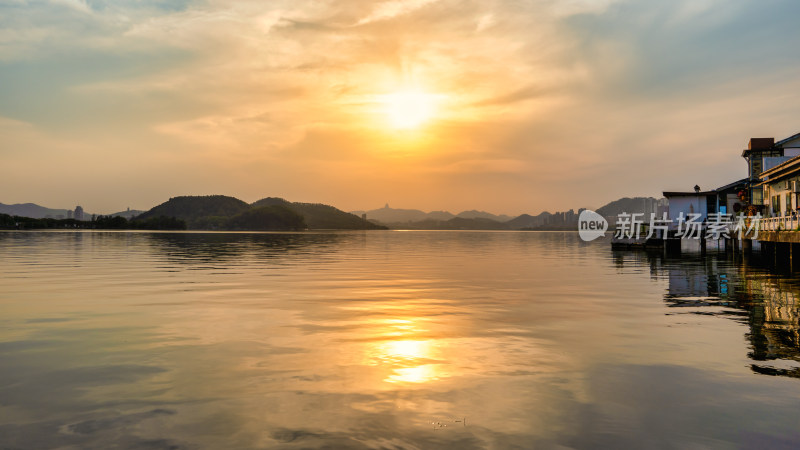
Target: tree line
9,222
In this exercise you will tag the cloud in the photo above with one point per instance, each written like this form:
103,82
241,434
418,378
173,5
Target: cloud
77,5
393,8
530,87
518,95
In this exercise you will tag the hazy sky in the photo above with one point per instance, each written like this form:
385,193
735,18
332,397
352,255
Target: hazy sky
530,105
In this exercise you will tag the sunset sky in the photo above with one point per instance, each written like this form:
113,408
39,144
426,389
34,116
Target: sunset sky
505,106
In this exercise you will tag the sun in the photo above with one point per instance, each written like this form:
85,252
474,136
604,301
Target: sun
409,109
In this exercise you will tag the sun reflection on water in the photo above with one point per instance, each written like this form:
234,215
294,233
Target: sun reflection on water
419,374
410,361
407,358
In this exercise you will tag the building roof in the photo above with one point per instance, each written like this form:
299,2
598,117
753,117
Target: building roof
761,143
732,185
689,194
790,138
766,144
783,169
743,181
756,145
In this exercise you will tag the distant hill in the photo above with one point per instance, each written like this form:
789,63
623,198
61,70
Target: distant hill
130,213
476,223
392,215
395,216
220,212
440,215
474,214
40,212
628,205
456,223
31,210
265,218
522,221
321,217
214,212
544,220
199,212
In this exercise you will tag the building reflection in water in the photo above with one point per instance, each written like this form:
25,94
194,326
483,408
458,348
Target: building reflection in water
741,289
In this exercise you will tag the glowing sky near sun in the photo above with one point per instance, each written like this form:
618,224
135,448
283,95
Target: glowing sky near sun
509,107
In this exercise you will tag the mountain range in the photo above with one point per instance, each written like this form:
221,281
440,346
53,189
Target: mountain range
223,212
397,216
628,205
481,220
40,212
31,210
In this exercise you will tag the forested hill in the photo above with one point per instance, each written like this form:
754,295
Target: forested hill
322,217
220,212
192,208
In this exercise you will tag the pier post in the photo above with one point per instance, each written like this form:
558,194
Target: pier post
774,250
730,245
795,257
768,252
672,244
783,256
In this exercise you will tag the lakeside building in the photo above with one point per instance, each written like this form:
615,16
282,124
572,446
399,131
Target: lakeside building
770,190
780,186
763,154
726,199
767,189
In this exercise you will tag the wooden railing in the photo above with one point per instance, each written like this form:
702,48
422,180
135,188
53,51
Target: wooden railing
780,223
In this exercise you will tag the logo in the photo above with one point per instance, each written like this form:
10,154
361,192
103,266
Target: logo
591,225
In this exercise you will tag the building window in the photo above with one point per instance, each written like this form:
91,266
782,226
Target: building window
758,197
711,204
756,167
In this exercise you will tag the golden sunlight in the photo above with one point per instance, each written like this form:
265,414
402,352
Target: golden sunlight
412,361
409,109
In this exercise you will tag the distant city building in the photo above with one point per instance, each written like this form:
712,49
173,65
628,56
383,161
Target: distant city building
662,207
69,214
79,213
364,216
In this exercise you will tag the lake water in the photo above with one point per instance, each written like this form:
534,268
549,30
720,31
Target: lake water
389,339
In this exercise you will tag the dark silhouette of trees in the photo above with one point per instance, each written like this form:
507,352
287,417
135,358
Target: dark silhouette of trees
320,216
158,223
212,212
266,218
